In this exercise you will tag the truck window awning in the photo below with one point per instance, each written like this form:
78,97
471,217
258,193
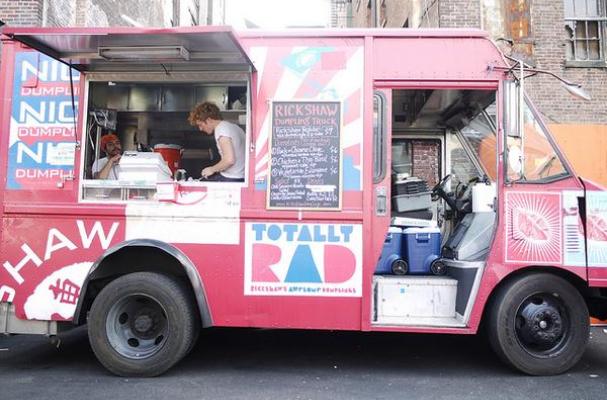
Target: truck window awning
210,48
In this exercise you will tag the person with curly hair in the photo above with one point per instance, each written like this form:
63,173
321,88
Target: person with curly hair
230,139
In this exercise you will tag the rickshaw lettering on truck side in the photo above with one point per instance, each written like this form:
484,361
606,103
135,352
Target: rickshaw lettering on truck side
50,270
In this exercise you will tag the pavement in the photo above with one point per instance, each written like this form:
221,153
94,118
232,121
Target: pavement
286,364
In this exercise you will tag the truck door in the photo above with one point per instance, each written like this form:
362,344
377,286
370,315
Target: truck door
382,128
541,213
380,196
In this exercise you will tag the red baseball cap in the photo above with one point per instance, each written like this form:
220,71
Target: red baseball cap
108,138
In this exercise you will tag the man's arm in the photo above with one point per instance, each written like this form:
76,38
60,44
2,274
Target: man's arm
107,168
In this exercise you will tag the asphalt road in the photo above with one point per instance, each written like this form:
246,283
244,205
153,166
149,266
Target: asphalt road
270,364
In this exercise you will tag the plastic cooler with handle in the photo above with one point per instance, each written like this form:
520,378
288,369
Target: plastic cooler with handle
171,154
391,260
421,247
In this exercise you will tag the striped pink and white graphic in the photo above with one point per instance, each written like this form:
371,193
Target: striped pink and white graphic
330,72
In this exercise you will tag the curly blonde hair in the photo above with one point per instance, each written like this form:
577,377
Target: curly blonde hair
202,111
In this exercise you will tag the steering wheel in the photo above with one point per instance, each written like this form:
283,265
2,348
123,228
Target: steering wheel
439,191
439,188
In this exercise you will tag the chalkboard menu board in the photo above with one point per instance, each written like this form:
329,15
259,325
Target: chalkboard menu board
305,155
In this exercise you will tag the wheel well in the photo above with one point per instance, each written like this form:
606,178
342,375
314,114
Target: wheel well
582,286
127,260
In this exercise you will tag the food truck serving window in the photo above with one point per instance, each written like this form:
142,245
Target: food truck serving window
144,131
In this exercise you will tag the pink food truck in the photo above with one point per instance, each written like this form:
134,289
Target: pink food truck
395,180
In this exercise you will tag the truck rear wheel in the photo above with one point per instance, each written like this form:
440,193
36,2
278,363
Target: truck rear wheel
142,324
539,324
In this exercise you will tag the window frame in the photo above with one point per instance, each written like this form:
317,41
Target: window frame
557,151
571,40
380,136
148,78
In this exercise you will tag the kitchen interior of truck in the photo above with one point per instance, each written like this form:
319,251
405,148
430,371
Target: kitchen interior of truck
442,173
152,117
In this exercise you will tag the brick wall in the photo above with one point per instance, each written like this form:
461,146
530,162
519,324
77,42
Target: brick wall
425,156
21,12
459,13
557,106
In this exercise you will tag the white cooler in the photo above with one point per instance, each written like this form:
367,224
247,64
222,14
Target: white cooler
143,167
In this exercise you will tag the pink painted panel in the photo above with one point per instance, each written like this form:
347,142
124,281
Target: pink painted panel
435,59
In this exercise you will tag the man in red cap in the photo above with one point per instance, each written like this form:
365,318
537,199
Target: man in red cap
107,167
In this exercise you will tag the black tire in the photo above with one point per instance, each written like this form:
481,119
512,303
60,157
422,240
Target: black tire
538,324
142,324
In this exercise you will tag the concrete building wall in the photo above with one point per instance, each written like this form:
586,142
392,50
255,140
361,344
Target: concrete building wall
361,14
391,13
56,13
493,17
21,12
156,13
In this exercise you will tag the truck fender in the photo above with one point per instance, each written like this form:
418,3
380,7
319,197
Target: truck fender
188,266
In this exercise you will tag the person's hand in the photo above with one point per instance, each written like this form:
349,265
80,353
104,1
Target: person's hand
115,159
208,171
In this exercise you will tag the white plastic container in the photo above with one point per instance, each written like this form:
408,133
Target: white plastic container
143,167
483,197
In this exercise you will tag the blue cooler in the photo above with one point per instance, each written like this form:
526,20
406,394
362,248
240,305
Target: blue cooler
420,248
392,251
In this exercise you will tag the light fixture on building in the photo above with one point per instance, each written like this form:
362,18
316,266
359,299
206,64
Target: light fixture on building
131,53
576,90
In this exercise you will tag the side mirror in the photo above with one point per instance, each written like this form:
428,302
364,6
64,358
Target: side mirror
513,109
515,160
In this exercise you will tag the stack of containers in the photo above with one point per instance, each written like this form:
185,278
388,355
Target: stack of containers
410,250
410,194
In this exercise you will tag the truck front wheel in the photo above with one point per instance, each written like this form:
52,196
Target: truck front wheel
539,324
142,324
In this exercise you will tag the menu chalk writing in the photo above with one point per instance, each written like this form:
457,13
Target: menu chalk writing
305,155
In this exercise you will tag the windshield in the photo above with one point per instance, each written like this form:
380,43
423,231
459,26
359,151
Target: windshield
538,160
479,136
